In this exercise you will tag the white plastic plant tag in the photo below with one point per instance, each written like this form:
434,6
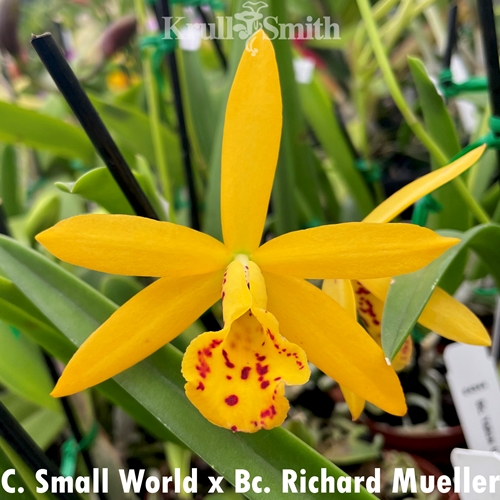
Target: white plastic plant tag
190,38
477,474
304,69
475,389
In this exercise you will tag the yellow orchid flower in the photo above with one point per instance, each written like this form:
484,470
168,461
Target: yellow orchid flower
366,298
236,376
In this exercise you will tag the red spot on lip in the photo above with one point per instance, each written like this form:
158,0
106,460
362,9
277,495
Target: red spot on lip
270,412
262,370
201,387
270,334
361,290
261,358
265,384
245,372
234,428
232,400
277,378
228,363
229,377
288,355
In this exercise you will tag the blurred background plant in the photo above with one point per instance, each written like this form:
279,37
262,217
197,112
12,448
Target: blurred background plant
360,123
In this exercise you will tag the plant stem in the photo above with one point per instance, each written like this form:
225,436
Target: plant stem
153,104
409,116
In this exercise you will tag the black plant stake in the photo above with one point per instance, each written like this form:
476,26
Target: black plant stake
217,44
4,228
62,74
70,88
490,44
20,441
163,11
451,41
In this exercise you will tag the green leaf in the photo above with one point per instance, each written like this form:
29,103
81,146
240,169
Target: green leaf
19,125
9,182
120,289
455,214
99,186
319,112
201,109
157,384
23,370
44,426
409,293
44,214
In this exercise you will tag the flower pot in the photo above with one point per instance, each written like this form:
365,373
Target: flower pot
433,445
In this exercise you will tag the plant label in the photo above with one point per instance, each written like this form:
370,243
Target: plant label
475,389
477,474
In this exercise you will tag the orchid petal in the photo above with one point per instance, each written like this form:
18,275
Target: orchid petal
341,291
442,314
333,341
251,144
236,377
134,246
405,197
152,318
352,251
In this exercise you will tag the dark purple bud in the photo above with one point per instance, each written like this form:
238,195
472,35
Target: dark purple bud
10,13
117,35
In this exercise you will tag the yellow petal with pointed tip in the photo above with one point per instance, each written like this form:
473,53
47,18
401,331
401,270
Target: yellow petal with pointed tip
402,199
333,341
452,320
250,149
442,314
355,403
145,323
352,251
236,377
341,291
134,246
